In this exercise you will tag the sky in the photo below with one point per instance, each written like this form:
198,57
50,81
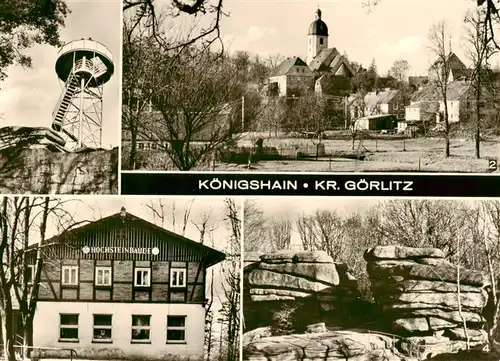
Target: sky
392,30
288,208
28,96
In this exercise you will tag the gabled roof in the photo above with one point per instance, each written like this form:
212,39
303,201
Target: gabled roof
331,84
453,59
456,90
373,99
210,255
330,59
287,64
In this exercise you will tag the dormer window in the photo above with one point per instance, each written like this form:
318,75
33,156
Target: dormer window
121,234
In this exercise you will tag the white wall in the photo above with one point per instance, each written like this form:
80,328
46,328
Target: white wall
314,46
46,329
453,110
412,113
281,80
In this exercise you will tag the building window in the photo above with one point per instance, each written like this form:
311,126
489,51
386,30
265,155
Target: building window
121,234
321,41
102,328
140,145
141,329
29,274
68,327
176,329
142,277
178,277
103,276
70,275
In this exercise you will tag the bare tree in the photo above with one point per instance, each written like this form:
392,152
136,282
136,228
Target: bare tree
491,243
23,231
193,108
422,223
231,271
440,46
152,15
323,231
480,48
399,69
255,227
280,234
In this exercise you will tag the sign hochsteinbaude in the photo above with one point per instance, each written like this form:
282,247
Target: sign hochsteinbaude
122,250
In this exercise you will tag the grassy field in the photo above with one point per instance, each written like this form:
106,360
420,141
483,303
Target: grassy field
382,155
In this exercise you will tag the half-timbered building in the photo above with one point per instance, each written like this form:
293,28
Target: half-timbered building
123,288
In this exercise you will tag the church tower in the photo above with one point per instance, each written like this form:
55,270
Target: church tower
317,37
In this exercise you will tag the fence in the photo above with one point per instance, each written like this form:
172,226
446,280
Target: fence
31,350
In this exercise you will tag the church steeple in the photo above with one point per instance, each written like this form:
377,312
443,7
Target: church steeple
318,14
317,37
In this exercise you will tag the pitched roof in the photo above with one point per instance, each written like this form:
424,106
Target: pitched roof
331,83
452,57
455,91
287,64
330,59
210,255
373,99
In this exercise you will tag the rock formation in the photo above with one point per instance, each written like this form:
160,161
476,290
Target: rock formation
310,281
417,291
328,346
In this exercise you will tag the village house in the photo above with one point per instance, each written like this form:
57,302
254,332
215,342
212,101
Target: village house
123,288
457,101
457,70
387,101
293,77
419,115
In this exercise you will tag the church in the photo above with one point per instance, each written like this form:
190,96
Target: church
325,70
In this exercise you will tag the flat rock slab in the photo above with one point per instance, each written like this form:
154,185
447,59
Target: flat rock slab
279,292
452,316
469,300
416,324
422,286
327,346
322,272
432,346
474,335
262,278
400,252
444,272
296,257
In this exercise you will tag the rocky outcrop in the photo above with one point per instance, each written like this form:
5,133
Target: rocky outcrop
309,280
328,346
418,292
42,171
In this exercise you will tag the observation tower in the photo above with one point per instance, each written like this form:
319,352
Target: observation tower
83,67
